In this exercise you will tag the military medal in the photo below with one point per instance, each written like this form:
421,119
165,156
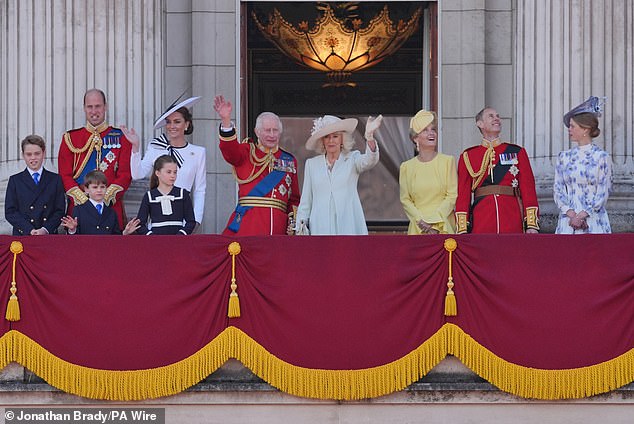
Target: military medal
508,159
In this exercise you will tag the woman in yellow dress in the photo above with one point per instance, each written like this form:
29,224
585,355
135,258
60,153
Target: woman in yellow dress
428,182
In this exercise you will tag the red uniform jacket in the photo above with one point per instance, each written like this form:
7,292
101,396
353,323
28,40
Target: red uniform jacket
248,161
80,153
496,213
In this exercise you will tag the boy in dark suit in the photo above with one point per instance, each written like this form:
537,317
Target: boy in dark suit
35,201
94,216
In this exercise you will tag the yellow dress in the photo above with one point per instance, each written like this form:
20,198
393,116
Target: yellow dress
428,192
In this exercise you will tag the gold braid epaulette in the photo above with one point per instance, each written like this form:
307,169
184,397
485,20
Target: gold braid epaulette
94,142
76,152
262,163
486,163
71,146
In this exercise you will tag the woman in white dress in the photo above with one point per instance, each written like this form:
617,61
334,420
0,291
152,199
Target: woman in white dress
583,175
330,201
192,174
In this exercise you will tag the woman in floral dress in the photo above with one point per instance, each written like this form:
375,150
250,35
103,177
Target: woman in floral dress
583,175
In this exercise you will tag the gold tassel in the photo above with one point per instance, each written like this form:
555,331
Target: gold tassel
234,300
13,307
451,308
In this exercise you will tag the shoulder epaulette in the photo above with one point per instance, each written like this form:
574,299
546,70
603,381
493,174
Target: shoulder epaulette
287,152
472,147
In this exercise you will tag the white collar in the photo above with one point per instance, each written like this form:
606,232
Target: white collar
39,171
96,203
585,147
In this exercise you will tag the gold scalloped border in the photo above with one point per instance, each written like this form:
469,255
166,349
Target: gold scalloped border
538,383
317,383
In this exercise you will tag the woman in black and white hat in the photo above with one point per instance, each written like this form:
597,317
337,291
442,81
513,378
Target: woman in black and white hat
330,202
191,176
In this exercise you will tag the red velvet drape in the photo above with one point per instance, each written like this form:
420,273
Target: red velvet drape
335,303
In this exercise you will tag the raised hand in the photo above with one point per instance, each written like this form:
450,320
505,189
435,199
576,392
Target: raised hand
371,126
132,137
223,108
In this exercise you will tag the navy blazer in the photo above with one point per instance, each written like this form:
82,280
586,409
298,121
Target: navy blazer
90,222
29,206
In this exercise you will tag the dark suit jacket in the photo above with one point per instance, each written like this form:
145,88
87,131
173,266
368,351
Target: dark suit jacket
90,222
28,206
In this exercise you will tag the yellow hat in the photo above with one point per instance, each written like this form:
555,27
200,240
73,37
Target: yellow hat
420,121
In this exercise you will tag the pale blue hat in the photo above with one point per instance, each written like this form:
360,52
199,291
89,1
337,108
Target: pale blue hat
593,105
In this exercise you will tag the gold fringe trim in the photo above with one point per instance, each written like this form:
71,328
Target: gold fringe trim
317,383
119,385
231,343
539,383
13,307
6,350
339,384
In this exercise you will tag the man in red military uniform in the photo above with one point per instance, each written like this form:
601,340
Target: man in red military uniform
268,191
95,146
496,186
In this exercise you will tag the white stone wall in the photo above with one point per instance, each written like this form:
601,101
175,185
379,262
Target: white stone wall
215,64
476,68
52,51
566,51
531,60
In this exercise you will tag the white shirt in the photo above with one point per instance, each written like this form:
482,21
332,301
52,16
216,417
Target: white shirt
39,171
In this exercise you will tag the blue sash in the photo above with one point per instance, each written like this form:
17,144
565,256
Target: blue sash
112,140
262,188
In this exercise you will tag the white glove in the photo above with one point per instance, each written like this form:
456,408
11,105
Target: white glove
302,229
371,126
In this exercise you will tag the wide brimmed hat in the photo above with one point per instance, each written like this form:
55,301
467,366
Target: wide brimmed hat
160,122
329,124
420,121
592,105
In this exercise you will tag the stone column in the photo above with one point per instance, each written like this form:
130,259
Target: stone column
476,68
51,52
566,51
215,65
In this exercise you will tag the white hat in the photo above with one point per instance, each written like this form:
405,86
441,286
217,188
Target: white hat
160,122
328,125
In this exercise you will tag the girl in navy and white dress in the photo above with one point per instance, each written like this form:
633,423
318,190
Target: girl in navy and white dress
166,207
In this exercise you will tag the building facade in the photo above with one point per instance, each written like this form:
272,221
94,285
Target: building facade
532,61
